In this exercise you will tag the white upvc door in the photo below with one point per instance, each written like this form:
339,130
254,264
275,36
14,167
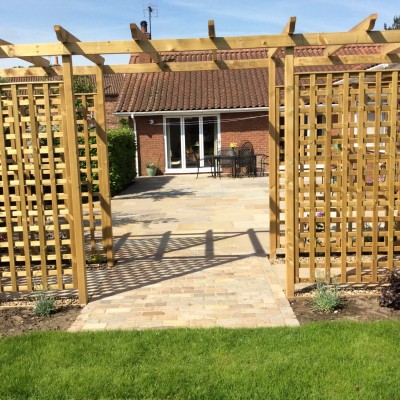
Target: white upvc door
187,138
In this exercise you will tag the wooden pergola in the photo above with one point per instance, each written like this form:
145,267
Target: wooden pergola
284,103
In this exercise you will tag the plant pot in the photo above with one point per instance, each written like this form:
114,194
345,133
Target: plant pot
151,171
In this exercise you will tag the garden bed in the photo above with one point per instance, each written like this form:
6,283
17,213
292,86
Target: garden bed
356,307
18,317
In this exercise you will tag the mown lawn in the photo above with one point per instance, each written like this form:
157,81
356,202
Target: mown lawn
321,361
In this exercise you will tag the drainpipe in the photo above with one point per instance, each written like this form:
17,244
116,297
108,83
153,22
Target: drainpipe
136,144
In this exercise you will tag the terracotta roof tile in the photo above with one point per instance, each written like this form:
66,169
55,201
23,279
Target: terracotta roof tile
216,89
112,83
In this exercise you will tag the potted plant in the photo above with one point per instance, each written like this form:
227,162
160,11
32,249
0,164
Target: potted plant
151,169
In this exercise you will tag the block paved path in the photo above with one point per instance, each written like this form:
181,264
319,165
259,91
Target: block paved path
190,253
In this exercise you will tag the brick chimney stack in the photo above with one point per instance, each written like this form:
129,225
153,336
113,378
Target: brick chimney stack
143,27
144,57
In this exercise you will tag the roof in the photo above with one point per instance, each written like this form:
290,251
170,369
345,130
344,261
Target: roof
215,89
112,83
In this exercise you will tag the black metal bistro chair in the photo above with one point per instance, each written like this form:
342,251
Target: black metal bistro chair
262,165
226,159
247,161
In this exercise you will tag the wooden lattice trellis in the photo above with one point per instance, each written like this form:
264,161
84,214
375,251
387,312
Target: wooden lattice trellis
37,213
346,175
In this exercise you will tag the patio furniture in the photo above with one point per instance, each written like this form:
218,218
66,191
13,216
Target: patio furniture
247,145
246,161
262,165
227,158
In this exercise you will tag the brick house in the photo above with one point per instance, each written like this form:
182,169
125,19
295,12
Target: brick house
172,111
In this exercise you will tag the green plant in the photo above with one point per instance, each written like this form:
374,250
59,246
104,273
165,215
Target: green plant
96,259
83,84
390,295
327,298
121,156
44,304
151,165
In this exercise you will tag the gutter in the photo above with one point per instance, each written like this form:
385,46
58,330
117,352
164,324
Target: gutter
191,112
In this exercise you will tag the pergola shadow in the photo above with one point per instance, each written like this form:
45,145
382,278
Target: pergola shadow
146,260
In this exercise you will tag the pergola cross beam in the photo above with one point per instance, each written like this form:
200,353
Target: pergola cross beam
287,30
147,47
66,37
390,48
35,60
212,35
365,25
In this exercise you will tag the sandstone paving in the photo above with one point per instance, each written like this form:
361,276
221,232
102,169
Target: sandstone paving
190,253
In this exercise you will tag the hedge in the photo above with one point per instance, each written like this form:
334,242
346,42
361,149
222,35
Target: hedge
121,158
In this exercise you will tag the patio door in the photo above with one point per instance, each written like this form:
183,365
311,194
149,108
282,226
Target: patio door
187,139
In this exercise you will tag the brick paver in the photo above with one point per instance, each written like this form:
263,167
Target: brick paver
191,253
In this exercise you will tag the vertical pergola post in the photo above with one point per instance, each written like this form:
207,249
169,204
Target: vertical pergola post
105,194
290,174
273,104
76,215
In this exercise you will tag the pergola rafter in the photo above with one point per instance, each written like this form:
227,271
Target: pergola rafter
67,39
144,43
201,44
35,60
287,30
365,25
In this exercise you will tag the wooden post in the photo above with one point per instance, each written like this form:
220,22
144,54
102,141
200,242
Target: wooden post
290,217
273,159
345,175
394,98
76,215
105,194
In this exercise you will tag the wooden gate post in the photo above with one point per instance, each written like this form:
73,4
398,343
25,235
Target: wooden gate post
290,174
104,175
273,118
76,215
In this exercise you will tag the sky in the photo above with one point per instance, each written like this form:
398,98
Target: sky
32,21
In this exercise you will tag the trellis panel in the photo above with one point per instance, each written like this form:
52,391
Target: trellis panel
94,180
34,228
348,206
36,240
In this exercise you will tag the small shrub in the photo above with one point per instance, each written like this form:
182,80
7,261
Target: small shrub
121,156
390,295
327,298
96,259
44,304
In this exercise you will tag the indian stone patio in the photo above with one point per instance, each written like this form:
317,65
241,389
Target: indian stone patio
190,253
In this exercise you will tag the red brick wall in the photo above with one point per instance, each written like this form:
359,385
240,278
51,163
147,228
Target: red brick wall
150,143
242,129
112,122
246,127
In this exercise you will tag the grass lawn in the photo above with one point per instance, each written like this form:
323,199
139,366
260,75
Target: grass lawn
318,361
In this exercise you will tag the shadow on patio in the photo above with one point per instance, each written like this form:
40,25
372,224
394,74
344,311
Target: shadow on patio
148,259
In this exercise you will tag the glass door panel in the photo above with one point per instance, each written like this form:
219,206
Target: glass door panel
192,141
174,145
210,135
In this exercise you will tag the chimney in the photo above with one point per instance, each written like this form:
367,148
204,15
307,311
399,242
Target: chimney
143,27
144,57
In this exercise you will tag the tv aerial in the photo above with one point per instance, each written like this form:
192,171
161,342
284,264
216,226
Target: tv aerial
150,10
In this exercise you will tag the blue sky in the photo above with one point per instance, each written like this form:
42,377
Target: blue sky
32,21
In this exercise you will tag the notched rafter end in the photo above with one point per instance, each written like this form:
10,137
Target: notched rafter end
136,33
67,38
211,29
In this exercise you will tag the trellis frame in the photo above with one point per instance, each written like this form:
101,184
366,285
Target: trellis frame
69,46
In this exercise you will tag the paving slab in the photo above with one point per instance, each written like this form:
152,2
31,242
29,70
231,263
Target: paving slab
190,253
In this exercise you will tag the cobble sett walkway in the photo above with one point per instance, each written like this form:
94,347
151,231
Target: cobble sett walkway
191,253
